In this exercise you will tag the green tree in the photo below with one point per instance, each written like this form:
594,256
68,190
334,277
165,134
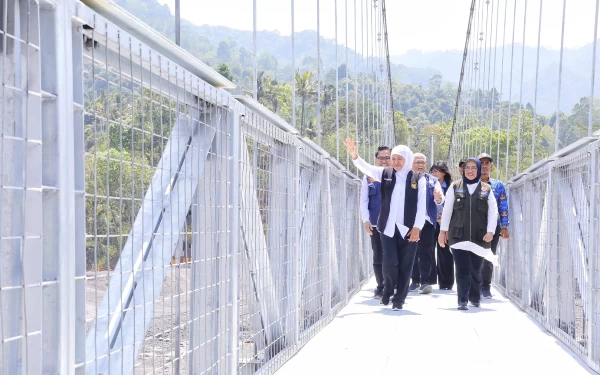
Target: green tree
306,89
225,71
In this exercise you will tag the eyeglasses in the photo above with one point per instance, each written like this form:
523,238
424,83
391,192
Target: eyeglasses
471,168
420,162
382,158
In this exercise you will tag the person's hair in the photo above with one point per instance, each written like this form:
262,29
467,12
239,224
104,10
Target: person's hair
462,162
442,167
381,148
418,154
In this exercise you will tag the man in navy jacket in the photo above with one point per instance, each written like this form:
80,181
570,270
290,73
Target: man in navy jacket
370,204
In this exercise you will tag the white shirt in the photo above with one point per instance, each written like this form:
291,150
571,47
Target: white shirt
491,224
364,202
396,217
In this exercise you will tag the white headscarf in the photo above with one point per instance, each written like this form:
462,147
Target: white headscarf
407,154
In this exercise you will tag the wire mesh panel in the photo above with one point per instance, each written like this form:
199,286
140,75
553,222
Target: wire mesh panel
268,272
338,204
594,333
156,174
517,241
315,273
569,250
352,235
537,252
26,286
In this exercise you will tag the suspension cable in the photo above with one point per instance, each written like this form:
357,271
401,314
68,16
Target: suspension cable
462,73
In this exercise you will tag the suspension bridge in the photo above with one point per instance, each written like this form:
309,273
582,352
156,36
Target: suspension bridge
156,217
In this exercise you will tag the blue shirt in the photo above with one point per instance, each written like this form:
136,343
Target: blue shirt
502,200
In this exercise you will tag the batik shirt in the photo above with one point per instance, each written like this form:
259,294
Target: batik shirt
501,199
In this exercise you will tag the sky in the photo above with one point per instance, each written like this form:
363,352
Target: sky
426,25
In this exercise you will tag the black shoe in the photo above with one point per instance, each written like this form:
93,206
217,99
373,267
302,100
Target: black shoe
475,304
445,287
396,306
385,299
486,293
378,293
413,287
462,306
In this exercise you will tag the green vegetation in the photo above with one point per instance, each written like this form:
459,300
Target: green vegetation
127,126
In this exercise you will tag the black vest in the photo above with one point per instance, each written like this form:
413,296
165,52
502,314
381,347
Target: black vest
411,196
470,214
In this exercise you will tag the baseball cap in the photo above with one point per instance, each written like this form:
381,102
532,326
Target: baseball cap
485,156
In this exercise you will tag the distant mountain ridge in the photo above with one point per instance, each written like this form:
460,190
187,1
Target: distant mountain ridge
576,75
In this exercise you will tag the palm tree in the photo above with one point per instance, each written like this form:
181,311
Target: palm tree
306,89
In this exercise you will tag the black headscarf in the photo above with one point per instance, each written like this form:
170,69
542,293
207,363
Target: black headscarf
476,179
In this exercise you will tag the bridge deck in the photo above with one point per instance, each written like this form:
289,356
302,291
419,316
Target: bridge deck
431,337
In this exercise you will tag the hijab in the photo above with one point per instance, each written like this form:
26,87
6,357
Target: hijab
407,154
476,179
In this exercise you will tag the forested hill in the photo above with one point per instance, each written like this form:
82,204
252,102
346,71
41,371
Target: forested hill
219,44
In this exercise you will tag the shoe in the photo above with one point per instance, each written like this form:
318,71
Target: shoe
378,293
396,306
486,293
413,287
385,300
445,287
475,304
462,306
425,289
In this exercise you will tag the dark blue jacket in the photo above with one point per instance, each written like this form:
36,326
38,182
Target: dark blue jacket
374,200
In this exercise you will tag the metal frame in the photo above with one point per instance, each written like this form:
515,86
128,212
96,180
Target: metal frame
208,134
568,220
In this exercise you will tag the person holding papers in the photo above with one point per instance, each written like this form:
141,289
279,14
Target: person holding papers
468,226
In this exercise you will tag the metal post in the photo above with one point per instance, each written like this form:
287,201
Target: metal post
431,161
66,184
319,129
255,60
178,22
234,225
293,70
550,215
591,255
298,276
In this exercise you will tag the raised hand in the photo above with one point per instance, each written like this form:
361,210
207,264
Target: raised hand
351,147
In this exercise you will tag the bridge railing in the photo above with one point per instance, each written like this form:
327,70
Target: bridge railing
549,265
150,221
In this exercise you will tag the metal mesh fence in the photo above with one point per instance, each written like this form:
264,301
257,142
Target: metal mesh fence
549,266
150,222
26,284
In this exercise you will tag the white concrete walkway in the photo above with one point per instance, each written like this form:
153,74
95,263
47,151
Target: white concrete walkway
432,337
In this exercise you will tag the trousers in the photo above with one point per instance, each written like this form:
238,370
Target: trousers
398,259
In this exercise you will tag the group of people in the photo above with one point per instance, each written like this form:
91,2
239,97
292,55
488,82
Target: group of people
409,213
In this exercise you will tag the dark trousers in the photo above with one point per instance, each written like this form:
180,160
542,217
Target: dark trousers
377,258
423,272
445,264
398,260
468,275
487,270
